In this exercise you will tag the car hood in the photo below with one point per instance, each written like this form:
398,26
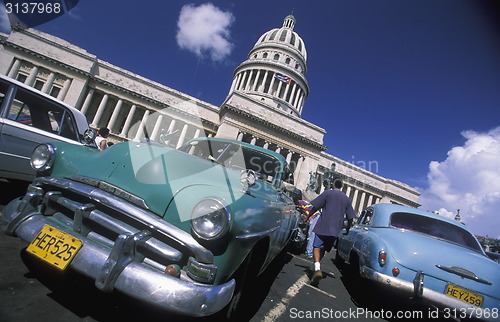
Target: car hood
153,173
420,252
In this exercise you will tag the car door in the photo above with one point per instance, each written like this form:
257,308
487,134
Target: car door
28,119
356,234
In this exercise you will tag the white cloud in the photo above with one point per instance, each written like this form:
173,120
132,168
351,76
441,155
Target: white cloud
469,180
205,30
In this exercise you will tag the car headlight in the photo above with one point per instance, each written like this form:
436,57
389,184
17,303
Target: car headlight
210,219
43,157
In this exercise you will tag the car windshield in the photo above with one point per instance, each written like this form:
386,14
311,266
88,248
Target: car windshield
235,156
435,228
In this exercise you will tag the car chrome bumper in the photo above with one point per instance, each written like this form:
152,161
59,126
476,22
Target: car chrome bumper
131,277
416,290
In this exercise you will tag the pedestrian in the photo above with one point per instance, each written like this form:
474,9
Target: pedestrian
305,208
101,139
334,204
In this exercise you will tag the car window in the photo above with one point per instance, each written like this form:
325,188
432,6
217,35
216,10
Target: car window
265,166
43,114
435,228
366,217
3,91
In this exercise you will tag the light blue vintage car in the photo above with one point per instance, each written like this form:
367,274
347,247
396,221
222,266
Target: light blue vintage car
185,229
426,257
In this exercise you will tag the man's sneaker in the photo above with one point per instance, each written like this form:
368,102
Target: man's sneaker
317,275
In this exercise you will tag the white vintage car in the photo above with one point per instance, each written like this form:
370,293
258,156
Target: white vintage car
29,117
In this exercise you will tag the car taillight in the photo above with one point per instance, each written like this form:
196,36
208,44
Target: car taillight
382,256
395,271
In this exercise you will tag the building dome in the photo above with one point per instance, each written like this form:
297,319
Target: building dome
274,73
284,36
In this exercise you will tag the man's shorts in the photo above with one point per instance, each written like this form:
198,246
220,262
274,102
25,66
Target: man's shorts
324,242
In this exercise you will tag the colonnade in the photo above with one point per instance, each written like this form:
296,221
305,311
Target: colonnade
131,121
360,198
294,159
264,81
40,78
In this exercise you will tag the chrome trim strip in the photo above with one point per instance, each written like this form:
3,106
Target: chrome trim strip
463,273
15,155
113,190
254,235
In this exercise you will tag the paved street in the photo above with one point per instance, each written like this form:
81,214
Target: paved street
281,294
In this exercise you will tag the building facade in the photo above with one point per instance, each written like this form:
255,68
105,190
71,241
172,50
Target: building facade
263,107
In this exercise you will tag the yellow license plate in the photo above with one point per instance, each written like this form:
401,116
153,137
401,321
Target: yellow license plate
54,246
463,295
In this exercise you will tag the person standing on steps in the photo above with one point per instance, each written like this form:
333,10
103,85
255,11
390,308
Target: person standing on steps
334,204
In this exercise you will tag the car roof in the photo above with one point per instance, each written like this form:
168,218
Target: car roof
80,118
384,211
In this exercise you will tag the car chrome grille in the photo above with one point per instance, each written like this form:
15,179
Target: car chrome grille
104,217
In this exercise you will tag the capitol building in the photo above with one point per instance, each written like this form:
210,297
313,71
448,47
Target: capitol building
263,106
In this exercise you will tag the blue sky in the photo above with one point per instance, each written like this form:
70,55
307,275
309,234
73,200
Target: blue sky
403,83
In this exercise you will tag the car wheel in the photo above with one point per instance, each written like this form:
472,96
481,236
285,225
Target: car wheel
338,259
245,277
354,264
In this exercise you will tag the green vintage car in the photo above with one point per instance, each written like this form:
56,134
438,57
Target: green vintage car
182,229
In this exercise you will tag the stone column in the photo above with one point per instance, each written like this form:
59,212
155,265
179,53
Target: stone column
297,96
32,76
264,80
87,101
182,136
289,157
237,81
156,128
100,110
278,90
273,79
362,201
196,133
64,90
140,129
370,200
240,136
244,79
114,116
48,84
254,87
249,84
296,173
130,116
292,94
14,69
301,100
348,190
287,89
171,126
355,198
233,84
253,141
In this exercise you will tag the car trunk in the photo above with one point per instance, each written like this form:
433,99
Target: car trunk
420,255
